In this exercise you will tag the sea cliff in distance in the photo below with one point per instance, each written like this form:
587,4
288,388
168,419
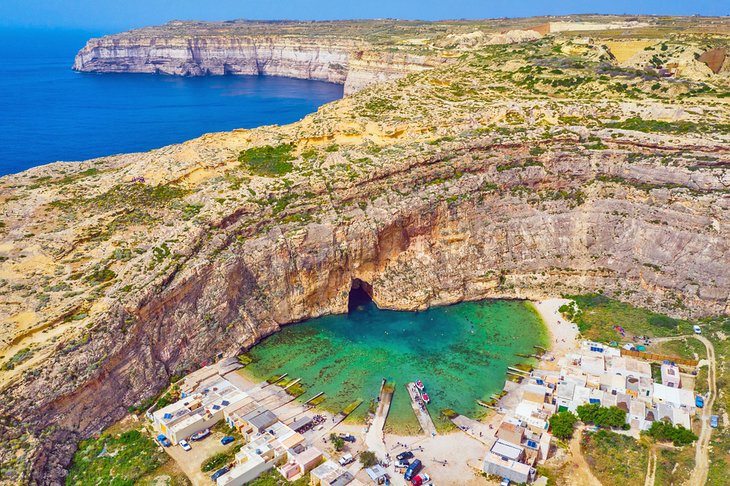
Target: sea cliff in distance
497,159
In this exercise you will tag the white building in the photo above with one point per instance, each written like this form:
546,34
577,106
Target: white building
503,460
270,449
677,397
670,375
200,410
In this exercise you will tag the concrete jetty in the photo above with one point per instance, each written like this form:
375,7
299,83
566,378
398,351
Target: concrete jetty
420,409
374,438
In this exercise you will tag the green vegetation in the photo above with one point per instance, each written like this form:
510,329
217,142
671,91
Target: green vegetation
562,424
368,459
717,330
273,478
674,128
689,348
22,355
115,459
267,160
615,458
217,461
674,466
377,106
337,442
598,316
602,416
100,274
665,431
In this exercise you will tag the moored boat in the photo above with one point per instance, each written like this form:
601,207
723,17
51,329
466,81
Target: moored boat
425,397
419,385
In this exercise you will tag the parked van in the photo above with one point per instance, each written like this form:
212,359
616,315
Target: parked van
413,469
346,459
698,330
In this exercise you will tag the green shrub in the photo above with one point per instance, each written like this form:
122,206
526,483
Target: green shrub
562,424
337,442
602,416
217,461
368,459
268,160
663,321
115,460
665,431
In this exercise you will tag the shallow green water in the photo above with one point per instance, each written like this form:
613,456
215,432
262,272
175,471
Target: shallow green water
460,352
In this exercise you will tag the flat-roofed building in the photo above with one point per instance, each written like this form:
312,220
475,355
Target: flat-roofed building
301,463
613,383
200,410
535,393
330,473
511,431
670,375
272,448
593,364
678,397
503,460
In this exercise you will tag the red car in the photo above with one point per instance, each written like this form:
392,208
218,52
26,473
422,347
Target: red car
420,480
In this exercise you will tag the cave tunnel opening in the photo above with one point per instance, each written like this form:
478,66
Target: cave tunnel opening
361,293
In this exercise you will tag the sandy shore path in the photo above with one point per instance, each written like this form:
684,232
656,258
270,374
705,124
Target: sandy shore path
563,333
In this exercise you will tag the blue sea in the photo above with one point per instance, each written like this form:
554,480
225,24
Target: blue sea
50,113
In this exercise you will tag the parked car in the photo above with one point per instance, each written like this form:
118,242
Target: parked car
200,435
227,439
220,472
505,482
347,437
420,479
346,459
402,465
699,402
697,329
184,444
404,455
412,470
164,441
713,421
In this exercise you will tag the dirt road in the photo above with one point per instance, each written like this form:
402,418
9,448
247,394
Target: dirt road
702,459
581,474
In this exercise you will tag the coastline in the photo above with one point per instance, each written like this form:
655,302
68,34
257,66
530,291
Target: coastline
562,333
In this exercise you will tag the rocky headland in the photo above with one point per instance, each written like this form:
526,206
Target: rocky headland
504,170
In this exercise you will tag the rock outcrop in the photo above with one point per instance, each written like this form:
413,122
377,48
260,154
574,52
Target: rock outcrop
514,171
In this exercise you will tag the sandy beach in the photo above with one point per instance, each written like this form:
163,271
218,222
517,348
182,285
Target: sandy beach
563,333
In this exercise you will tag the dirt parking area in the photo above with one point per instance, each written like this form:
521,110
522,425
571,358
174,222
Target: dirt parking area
189,461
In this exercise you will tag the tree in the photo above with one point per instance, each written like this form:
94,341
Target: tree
562,424
665,431
337,441
594,413
368,459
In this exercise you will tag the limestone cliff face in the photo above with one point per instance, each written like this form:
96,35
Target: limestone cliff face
353,63
514,173
200,56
